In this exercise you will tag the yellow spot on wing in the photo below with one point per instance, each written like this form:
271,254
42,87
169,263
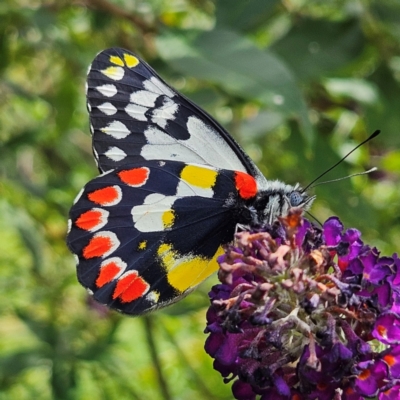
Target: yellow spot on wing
199,176
130,60
167,254
116,60
115,73
142,245
186,272
168,218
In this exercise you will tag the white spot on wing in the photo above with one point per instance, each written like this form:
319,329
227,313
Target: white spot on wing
136,112
116,129
110,171
148,216
153,296
166,112
211,146
155,136
204,146
107,108
156,86
144,98
115,154
96,155
162,146
153,198
78,196
185,189
108,90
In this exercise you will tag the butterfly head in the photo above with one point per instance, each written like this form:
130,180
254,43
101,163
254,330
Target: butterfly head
276,200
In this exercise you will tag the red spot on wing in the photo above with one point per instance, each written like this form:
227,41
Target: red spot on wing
109,271
130,287
246,185
100,245
108,196
91,219
134,177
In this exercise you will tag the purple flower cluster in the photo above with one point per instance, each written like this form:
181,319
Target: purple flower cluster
306,313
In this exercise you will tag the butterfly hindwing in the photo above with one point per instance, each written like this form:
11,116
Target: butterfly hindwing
135,117
146,234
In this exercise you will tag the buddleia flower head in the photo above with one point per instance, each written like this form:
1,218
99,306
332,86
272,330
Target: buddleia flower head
305,313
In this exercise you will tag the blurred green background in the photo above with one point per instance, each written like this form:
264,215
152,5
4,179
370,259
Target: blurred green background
297,82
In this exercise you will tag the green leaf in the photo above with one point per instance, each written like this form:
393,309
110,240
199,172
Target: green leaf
258,126
15,363
239,67
385,115
317,47
388,12
244,15
357,89
391,161
45,332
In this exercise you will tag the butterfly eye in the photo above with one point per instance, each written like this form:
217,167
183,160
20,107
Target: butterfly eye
295,199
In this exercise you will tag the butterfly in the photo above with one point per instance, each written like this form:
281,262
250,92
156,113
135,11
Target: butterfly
173,187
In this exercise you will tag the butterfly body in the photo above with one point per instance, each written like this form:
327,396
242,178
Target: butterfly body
173,187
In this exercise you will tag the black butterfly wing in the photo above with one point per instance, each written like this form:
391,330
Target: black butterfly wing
146,234
135,117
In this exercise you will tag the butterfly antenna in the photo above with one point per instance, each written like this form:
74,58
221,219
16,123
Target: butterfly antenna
374,135
344,177
312,216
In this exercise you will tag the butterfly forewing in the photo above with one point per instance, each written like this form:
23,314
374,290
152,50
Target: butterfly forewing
146,234
135,116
